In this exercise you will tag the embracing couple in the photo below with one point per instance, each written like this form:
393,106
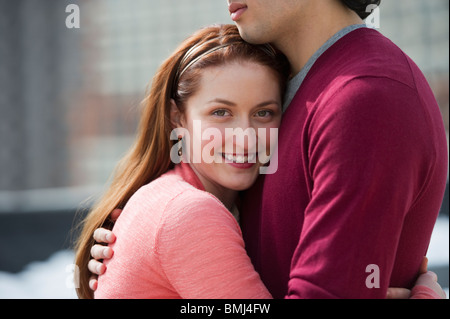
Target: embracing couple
349,211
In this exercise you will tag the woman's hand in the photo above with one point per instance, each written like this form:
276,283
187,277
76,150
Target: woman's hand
100,251
427,279
432,291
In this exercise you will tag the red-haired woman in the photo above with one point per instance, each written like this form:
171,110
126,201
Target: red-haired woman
178,237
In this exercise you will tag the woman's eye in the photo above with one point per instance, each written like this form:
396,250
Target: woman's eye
263,113
220,113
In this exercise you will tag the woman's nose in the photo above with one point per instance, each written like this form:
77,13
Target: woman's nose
243,137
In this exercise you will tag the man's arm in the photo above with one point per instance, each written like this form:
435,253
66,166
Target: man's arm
366,163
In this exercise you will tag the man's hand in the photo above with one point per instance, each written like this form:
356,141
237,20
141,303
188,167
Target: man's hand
100,251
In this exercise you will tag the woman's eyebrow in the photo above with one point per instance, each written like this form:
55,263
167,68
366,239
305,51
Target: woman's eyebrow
268,103
226,102
222,101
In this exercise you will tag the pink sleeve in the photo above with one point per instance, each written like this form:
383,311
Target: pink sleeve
201,251
423,292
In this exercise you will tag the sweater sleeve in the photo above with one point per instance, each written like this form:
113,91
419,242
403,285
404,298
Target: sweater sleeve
201,251
365,156
423,292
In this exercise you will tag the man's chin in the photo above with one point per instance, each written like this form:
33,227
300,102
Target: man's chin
251,37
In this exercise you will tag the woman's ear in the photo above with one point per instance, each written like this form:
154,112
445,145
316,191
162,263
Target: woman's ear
175,115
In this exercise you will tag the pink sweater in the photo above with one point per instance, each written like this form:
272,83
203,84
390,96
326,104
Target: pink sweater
174,240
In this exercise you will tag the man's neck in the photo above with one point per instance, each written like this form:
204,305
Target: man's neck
313,30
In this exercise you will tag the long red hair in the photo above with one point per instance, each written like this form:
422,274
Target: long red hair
149,157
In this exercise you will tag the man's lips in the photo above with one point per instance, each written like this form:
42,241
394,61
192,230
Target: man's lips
236,10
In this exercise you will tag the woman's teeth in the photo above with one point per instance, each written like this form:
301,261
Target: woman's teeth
239,158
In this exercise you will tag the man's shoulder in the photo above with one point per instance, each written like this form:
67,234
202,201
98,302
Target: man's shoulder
368,53
364,55
363,52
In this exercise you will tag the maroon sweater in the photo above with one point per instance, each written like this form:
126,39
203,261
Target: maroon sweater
362,167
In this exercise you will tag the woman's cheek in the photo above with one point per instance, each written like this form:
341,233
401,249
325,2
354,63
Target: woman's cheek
206,141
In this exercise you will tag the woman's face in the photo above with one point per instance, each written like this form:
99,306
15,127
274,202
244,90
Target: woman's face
235,105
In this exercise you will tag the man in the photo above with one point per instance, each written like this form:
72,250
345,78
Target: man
362,156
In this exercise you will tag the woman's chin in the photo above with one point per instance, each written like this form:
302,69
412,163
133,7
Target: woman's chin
241,182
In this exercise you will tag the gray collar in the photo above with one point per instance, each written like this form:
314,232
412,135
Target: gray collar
296,81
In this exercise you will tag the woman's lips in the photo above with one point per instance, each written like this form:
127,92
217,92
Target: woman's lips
242,165
236,10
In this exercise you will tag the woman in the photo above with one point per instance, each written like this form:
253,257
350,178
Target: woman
178,238
176,235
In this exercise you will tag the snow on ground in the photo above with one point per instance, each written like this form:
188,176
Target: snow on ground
438,252
52,279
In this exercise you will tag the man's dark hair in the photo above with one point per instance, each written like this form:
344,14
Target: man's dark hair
362,7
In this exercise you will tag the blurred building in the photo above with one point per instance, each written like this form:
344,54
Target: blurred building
33,78
421,29
70,97
123,45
